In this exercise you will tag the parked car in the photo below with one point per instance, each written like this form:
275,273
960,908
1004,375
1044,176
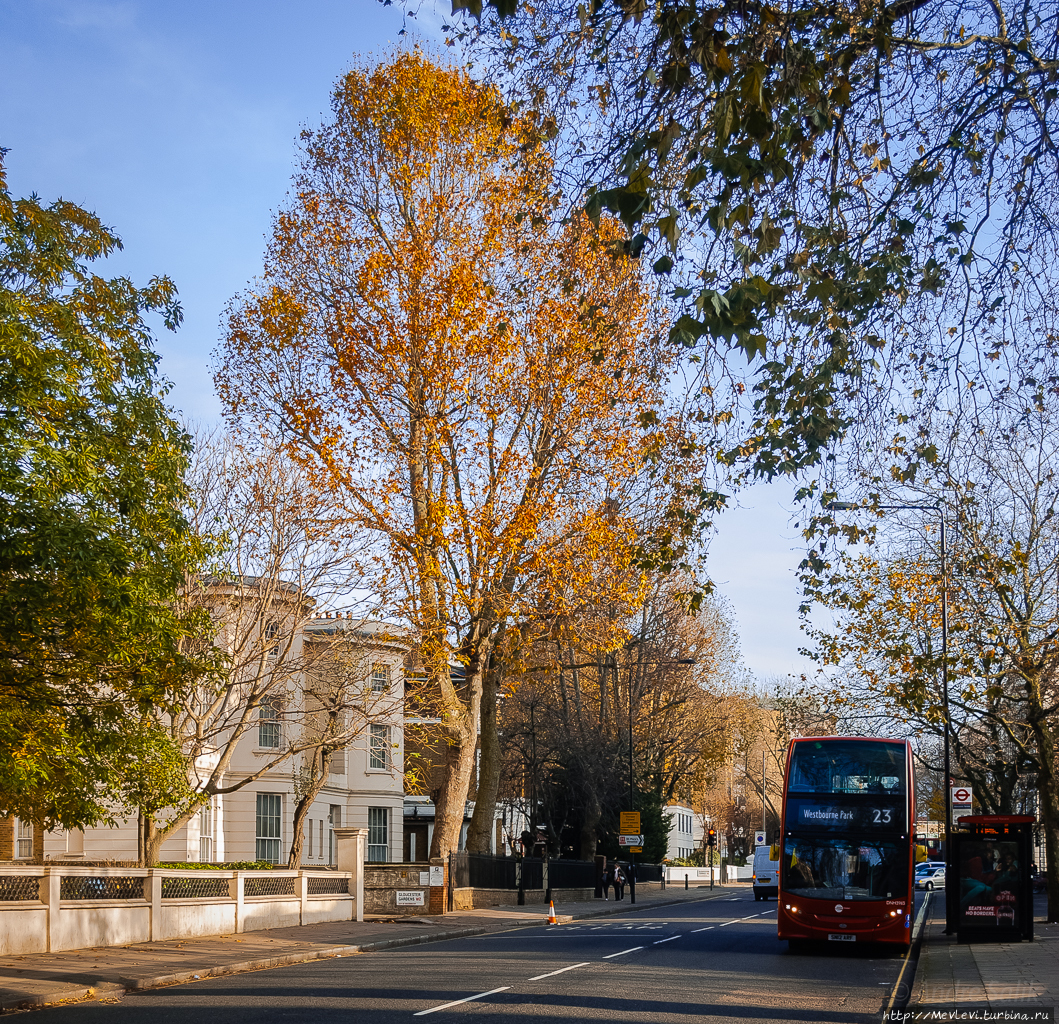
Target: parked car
766,872
934,879
927,866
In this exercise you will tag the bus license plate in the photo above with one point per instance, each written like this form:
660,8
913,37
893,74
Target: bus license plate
841,937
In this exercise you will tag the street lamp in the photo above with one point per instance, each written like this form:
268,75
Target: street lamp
845,506
632,784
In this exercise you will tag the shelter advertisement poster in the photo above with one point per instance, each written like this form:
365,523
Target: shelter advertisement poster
988,873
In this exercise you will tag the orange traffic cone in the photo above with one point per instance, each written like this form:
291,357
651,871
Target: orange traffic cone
552,919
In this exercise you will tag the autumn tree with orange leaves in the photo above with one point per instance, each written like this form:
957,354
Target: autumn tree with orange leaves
477,386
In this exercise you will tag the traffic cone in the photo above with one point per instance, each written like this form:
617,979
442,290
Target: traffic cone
552,919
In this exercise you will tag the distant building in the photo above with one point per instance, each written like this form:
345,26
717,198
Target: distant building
682,832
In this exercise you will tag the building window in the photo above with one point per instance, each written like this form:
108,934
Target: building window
23,839
378,833
334,820
206,832
268,724
380,677
309,836
379,747
271,639
269,827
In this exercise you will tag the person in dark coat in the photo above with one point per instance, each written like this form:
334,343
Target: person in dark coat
619,882
608,880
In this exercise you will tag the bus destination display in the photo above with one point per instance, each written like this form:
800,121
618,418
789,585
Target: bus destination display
843,815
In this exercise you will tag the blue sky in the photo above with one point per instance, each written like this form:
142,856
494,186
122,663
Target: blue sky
176,123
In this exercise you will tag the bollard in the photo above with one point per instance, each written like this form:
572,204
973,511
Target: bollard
685,881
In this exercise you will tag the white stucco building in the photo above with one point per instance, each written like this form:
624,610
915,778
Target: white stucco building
364,789
682,839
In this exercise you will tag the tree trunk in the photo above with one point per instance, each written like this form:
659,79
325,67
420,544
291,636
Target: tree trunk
321,768
151,840
462,740
480,832
1048,790
452,797
590,824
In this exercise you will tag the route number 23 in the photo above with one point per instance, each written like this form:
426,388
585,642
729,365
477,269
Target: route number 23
882,817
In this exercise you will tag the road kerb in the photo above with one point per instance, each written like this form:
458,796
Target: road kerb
911,957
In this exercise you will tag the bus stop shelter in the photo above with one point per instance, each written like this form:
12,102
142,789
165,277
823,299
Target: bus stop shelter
991,859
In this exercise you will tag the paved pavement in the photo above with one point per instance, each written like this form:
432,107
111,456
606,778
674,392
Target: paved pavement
106,972
984,975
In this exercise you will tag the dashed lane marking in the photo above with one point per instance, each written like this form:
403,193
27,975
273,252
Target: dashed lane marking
708,928
466,999
658,942
633,949
562,970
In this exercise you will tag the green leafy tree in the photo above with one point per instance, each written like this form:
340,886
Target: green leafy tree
808,177
93,540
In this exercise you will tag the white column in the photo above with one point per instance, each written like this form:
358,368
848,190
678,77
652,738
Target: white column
351,846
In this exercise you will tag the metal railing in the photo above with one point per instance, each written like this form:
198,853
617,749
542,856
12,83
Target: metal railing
572,874
495,871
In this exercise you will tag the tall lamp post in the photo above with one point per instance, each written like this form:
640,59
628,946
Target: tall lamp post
632,780
950,888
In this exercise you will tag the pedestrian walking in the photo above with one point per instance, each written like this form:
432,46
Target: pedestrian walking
619,882
608,880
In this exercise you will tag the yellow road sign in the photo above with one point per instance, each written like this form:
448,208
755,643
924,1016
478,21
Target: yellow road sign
630,823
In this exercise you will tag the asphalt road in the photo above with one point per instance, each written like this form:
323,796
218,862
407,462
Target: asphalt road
713,961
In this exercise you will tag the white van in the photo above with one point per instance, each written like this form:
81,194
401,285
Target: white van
766,871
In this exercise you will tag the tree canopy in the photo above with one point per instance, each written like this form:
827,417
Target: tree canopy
93,539
810,178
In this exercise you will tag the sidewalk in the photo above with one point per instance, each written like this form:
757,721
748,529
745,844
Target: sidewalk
105,972
984,975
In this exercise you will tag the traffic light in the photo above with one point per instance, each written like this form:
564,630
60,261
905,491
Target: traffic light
711,837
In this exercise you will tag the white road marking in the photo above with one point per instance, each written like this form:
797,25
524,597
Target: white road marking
670,939
727,923
456,1002
562,970
708,928
611,956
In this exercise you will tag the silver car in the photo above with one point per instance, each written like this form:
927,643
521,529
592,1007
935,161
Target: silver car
932,879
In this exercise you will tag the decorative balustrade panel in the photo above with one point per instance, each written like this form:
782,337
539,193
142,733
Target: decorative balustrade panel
197,888
270,886
105,887
328,886
19,887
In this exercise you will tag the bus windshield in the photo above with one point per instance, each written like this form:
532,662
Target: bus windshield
845,766
845,869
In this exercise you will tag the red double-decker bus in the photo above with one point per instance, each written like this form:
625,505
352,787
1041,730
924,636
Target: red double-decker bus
846,859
